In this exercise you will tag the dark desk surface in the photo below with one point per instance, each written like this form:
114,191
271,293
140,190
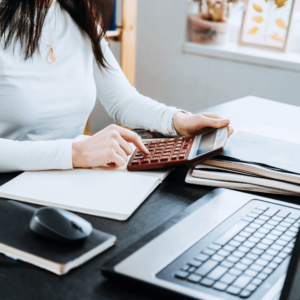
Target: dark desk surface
22,281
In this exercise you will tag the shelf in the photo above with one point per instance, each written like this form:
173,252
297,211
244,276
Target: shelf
287,61
114,34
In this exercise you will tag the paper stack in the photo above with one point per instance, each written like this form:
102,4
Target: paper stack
252,163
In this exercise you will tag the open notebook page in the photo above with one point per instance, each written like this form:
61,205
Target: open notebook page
97,192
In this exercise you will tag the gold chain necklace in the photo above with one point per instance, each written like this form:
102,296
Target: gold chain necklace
51,57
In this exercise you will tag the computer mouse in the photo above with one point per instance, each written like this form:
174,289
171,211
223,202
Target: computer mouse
60,225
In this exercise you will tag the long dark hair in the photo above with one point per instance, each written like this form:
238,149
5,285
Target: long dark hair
22,20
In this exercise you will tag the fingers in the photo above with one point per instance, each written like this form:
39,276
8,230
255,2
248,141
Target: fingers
117,161
230,131
132,137
122,153
124,145
212,115
215,123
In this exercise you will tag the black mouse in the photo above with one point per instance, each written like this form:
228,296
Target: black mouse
60,225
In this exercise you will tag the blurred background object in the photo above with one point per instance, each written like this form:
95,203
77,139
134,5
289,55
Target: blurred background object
172,69
210,25
266,24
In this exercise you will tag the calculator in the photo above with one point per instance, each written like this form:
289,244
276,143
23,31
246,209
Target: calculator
171,152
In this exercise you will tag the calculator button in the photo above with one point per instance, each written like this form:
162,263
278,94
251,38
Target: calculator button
171,140
161,144
164,158
176,152
183,151
135,162
155,159
177,149
162,141
174,157
168,151
188,140
160,148
169,147
186,146
145,160
154,142
181,156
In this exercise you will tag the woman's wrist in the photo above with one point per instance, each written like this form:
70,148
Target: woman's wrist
76,154
179,122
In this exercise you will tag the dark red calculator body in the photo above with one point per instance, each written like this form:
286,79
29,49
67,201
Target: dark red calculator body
173,152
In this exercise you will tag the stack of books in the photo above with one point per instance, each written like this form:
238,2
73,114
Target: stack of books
252,163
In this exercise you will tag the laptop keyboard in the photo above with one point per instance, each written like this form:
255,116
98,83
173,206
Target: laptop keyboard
240,260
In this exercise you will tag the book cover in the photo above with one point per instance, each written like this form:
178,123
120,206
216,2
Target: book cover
17,240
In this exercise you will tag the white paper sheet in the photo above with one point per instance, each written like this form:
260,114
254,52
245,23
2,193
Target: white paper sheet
98,192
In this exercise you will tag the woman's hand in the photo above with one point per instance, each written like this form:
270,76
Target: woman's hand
192,125
108,146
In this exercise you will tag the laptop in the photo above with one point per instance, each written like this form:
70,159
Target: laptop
227,245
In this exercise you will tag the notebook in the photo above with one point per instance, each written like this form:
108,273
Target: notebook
103,192
260,155
235,185
216,176
19,242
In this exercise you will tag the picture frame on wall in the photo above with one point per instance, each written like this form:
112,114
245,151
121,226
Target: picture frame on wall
266,24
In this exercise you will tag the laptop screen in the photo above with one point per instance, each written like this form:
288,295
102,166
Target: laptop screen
291,288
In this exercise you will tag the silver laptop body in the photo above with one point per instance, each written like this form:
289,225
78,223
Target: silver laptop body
156,262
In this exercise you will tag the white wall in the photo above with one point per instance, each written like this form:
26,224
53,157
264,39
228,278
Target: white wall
190,81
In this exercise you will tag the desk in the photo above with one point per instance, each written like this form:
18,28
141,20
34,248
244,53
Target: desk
21,281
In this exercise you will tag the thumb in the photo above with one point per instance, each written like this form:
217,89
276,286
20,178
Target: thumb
215,123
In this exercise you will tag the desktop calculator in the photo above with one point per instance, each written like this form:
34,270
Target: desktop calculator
171,152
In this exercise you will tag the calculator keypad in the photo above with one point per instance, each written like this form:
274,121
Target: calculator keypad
162,153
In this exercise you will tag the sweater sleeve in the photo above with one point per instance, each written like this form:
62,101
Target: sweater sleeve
124,104
35,156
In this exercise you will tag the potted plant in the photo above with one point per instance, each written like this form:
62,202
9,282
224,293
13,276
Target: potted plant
210,25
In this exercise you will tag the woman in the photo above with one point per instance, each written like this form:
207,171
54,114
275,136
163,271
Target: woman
54,63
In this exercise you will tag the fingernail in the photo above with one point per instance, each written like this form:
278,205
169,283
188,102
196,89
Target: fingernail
225,122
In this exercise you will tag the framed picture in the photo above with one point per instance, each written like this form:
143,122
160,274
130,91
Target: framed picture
266,24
